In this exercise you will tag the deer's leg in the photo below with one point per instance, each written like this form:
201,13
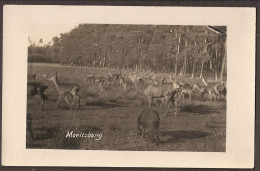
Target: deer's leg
65,97
176,107
182,96
76,98
190,96
79,101
162,101
210,96
168,104
149,100
60,97
42,106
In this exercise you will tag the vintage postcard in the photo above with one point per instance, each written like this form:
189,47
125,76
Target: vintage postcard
128,86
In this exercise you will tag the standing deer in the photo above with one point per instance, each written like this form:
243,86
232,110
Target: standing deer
214,86
148,123
123,83
37,88
152,91
222,90
65,89
186,90
208,90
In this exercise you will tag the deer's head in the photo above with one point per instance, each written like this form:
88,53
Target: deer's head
53,77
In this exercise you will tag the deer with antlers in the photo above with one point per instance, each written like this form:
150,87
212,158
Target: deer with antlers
65,89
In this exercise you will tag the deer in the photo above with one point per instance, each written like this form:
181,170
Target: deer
113,78
124,83
148,123
152,91
186,90
222,90
203,90
33,76
90,78
37,88
65,89
214,86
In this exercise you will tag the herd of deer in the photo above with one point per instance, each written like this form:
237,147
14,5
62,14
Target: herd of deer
165,89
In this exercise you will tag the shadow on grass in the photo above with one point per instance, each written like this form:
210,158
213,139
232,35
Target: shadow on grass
87,129
175,136
98,105
199,109
44,133
48,133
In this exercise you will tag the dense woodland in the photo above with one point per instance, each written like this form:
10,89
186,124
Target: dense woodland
183,50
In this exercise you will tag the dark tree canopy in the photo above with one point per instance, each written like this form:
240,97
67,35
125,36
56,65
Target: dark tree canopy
166,48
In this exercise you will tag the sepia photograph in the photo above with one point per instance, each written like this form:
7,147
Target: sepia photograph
107,86
128,87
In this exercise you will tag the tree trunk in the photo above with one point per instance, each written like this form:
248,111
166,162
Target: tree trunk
223,66
201,71
176,67
184,66
176,63
193,68
216,66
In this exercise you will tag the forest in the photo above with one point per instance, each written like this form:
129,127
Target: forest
190,51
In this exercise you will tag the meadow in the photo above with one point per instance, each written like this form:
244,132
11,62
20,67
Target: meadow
199,126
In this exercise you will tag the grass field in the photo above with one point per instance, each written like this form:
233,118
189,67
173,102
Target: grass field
199,126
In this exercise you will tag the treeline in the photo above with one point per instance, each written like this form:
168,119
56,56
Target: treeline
48,53
183,50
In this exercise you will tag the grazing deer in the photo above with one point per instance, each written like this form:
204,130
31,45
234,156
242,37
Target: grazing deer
186,90
215,86
99,81
207,90
65,89
151,91
37,88
148,123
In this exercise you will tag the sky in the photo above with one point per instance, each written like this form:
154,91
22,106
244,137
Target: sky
48,31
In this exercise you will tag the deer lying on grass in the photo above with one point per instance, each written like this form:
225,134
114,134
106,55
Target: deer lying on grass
148,123
37,88
65,89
